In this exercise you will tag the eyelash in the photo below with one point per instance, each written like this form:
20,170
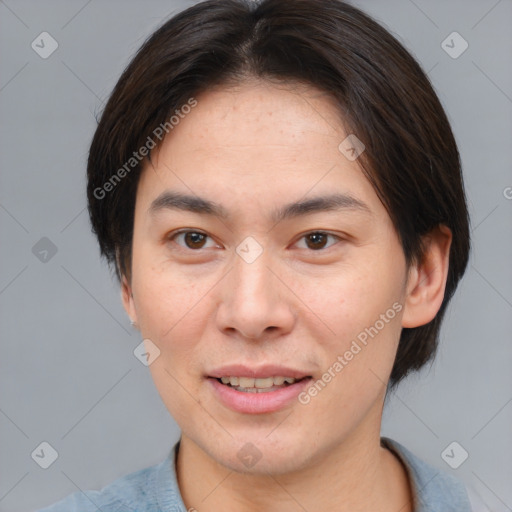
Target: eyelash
175,234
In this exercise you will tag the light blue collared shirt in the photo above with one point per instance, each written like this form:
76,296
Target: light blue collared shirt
155,489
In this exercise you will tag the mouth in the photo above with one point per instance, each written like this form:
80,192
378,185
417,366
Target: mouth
257,395
259,385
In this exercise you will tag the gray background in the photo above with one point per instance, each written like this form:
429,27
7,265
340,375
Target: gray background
68,373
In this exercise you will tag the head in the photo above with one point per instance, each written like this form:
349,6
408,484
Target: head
277,183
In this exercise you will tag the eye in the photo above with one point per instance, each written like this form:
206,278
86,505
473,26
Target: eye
192,239
196,240
316,240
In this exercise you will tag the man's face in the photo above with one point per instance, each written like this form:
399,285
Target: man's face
271,296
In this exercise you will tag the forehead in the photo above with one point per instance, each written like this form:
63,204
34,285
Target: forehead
258,112
257,140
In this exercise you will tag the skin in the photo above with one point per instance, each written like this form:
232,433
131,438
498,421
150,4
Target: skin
301,303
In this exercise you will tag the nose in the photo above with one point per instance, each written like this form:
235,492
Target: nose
255,301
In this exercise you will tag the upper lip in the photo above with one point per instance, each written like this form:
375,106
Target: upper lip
260,372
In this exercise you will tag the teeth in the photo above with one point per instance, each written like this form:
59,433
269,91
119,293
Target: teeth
264,383
246,382
249,382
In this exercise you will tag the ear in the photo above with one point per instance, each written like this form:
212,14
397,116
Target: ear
127,299
426,281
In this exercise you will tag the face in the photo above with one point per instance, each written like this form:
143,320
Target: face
250,288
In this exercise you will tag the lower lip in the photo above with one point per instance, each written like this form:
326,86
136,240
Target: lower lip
257,403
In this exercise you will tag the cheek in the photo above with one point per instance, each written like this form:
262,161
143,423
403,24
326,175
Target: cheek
171,312
363,306
168,301
355,298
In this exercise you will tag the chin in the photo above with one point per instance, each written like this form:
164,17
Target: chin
264,454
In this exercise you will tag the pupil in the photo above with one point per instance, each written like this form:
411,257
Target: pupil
194,238
315,236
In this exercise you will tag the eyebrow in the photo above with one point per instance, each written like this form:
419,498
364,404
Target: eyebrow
169,200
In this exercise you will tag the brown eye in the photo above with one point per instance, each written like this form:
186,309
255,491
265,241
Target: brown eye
317,240
192,239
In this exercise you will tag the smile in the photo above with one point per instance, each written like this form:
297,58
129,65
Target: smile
257,396
261,385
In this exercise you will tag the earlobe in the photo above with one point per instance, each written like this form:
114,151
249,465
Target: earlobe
427,279
127,299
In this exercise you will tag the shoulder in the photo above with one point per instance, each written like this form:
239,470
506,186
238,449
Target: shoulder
126,493
434,490
139,491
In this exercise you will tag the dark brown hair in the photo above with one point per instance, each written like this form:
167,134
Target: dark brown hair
384,97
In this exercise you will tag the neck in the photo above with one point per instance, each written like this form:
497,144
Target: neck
354,476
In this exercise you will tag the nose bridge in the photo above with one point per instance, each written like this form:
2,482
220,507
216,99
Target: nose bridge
252,298
252,281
